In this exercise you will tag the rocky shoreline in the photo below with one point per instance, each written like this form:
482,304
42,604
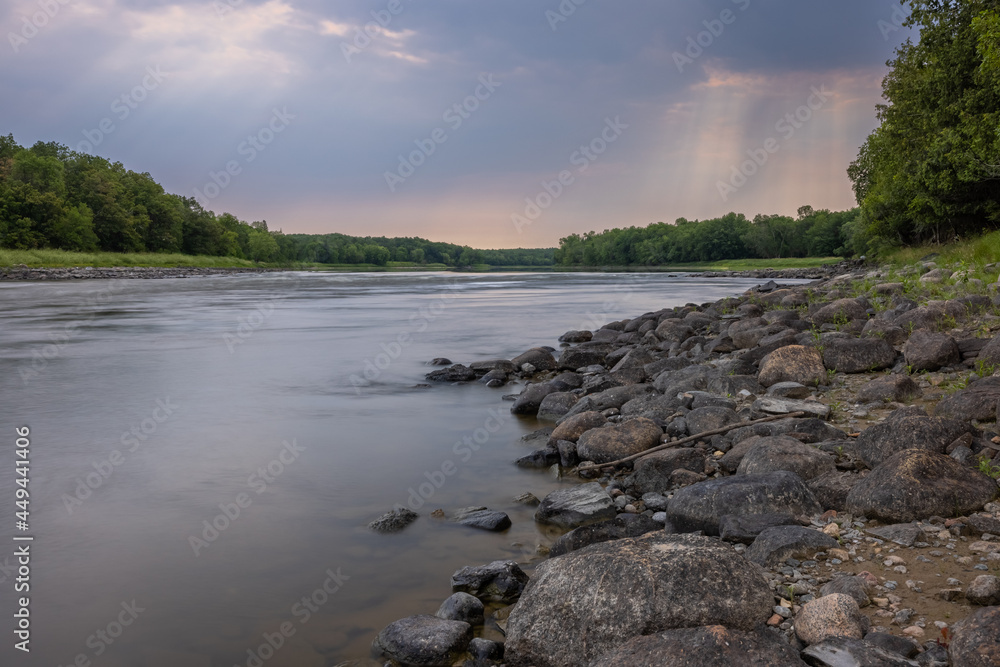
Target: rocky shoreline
801,475
23,272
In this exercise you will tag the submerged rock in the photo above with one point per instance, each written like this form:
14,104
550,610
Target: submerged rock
424,641
394,521
500,581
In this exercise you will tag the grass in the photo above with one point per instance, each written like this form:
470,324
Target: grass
64,258
981,250
750,264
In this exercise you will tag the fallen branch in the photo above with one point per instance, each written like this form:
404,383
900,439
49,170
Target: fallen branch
691,438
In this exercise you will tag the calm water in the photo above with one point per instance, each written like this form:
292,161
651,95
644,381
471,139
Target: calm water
155,406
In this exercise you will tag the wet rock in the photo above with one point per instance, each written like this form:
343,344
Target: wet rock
568,456
855,587
576,337
685,581
424,641
440,361
573,358
792,363
877,443
784,406
622,526
698,507
848,652
485,652
394,521
462,607
885,388
500,581
540,459
499,365
610,443
975,641
784,453
573,427
841,311
777,544
456,373
529,400
710,419
858,355
576,506
745,529
482,518
832,615
929,351
527,499
977,401
917,484
703,646
984,590
831,489
653,472
555,405
903,534
538,357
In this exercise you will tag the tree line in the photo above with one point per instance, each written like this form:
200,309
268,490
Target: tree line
52,197
811,234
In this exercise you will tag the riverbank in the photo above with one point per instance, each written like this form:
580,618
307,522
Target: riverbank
835,442
23,273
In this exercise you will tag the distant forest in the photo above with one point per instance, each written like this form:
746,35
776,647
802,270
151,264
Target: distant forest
52,197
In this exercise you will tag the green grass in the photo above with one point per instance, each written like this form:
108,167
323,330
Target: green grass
750,264
977,251
63,258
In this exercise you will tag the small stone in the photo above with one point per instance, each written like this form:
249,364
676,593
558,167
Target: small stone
914,631
833,615
984,590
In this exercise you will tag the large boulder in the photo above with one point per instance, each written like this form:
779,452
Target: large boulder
699,506
841,311
792,363
701,647
879,442
918,484
922,317
500,581
610,443
652,472
990,354
555,405
847,652
858,355
673,331
424,641
885,388
538,357
573,427
785,453
710,418
831,489
746,529
576,506
573,358
834,615
529,400
975,641
977,401
622,526
586,603
777,544
616,397
462,607
929,350
770,405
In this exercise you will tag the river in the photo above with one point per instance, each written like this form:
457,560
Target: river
207,452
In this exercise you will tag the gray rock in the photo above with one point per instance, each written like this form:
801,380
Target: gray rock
777,544
576,337
462,607
784,453
832,615
424,641
975,640
710,419
482,518
792,363
983,523
500,581
555,405
831,489
858,355
576,506
684,580
616,397
573,427
848,652
917,484
499,365
783,406
701,647
456,373
610,443
573,358
841,310
699,506
394,521
903,646
929,351
568,456
540,459
538,357
856,587
903,534
485,652
977,401
885,388
529,400
653,471
788,390
877,443
984,590
745,529
622,526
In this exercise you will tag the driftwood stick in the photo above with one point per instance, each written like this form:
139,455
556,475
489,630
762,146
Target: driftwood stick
690,438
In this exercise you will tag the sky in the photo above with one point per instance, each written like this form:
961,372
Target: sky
495,124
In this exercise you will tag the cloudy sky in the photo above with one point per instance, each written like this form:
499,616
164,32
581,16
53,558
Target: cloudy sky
493,123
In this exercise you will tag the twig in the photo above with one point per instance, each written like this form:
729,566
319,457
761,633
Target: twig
691,438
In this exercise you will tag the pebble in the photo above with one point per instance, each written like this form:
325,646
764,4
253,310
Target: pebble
914,631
